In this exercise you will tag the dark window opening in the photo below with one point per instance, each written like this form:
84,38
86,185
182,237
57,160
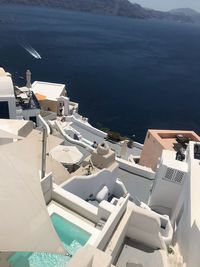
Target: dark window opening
4,110
34,119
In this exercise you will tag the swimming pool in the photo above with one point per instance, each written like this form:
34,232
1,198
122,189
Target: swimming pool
72,237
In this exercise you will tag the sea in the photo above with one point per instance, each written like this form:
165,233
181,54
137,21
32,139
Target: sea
127,75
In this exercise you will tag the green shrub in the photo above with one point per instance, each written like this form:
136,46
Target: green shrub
114,136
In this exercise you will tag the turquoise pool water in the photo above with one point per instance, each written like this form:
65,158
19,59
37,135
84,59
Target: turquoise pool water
72,237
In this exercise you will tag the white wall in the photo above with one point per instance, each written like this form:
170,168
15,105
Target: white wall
89,256
138,145
165,196
111,224
166,191
84,186
117,241
135,168
88,127
43,123
75,203
144,227
31,113
187,215
188,231
46,184
139,225
71,140
119,189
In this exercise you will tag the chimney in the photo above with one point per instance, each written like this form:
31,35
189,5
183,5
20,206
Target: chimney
28,79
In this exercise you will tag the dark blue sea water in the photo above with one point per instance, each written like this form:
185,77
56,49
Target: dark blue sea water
129,75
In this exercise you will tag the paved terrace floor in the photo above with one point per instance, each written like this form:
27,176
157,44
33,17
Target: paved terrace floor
137,186
135,254
87,135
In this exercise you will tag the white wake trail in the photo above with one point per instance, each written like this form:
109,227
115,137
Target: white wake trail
33,52
29,49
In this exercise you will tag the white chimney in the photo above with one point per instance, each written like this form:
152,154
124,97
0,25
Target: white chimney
28,79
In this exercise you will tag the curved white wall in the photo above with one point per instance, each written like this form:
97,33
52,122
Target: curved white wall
43,123
88,127
71,140
84,186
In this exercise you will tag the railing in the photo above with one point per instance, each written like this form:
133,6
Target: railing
43,123
32,104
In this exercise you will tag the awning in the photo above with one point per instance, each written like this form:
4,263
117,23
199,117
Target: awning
68,155
25,224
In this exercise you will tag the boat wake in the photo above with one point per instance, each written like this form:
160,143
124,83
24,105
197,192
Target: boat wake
28,48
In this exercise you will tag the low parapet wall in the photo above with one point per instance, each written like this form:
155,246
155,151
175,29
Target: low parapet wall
84,186
75,203
71,140
83,208
111,224
46,184
139,225
144,227
89,256
43,123
117,241
89,127
138,145
136,169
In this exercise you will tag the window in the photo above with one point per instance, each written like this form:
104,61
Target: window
4,110
34,119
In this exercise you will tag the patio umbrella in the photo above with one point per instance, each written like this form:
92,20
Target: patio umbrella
68,155
25,224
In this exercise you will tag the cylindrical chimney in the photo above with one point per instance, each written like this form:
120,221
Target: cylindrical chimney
28,79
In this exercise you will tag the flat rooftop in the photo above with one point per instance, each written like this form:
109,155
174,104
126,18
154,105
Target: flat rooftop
157,140
167,138
50,91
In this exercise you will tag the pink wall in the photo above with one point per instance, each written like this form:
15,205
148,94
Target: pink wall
156,141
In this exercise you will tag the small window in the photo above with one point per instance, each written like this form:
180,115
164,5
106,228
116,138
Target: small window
197,151
34,119
4,110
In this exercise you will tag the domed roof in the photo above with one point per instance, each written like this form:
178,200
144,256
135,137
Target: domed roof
6,84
